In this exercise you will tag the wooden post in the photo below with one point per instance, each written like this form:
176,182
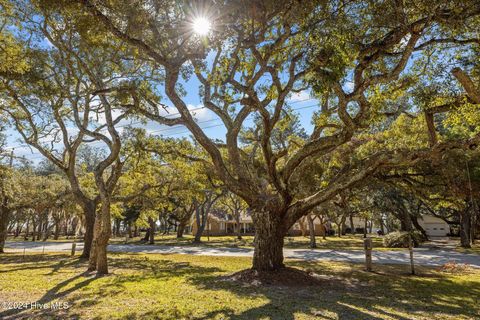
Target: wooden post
410,249
74,246
367,244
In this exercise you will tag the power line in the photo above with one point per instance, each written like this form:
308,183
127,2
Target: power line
38,155
24,145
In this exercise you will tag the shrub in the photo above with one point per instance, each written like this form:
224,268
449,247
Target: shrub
400,239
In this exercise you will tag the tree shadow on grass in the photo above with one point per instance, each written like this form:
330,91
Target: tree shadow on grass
39,261
51,295
345,291
355,294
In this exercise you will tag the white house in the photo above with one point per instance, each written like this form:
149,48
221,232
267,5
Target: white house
435,227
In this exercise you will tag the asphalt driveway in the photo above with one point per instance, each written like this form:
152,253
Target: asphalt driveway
422,256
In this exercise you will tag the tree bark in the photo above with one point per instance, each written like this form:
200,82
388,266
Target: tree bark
4,217
405,220
117,227
303,229
27,229
238,225
199,234
269,239
135,231
341,225
129,229
34,228
419,227
382,226
201,218
102,233
147,235
89,209
311,228
352,226
365,225
65,227
465,229
151,238
180,229
56,233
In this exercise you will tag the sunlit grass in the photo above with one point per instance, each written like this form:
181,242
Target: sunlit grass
188,287
346,242
474,249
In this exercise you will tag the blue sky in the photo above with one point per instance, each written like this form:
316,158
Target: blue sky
206,119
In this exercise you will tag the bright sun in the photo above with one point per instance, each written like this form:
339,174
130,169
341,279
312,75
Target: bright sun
201,26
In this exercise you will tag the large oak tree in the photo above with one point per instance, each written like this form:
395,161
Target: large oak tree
261,52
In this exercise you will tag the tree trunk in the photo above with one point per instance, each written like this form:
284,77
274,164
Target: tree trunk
239,227
382,226
201,221
40,229
465,229
352,226
129,230
324,231
135,231
147,235
180,230
18,229
151,238
56,234
117,227
65,227
311,228
199,233
27,229
269,239
4,217
34,228
89,209
419,227
341,225
102,233
303,229
365,228
405,221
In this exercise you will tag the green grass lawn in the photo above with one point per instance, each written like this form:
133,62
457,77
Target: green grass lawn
474,249
190,287
346,242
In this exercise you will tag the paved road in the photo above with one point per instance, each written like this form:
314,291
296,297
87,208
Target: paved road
422,256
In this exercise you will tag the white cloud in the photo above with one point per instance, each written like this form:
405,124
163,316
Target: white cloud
200,113
101,116
300,96
348,86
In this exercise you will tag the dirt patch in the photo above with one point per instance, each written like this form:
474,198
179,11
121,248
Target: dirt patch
285,277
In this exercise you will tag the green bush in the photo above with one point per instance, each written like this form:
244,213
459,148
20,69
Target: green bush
399,239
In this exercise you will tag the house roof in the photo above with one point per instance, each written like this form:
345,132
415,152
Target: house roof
223,216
